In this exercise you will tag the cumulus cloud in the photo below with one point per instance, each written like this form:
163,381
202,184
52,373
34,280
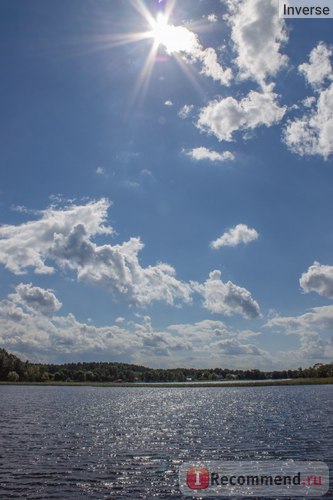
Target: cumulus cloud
318,278
319,69
227,298
202,153
168,103
223,117
32,332
28,245
312,134
36,299
236,235
26,329
257,34
64,237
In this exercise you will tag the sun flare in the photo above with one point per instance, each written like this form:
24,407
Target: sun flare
173,38
160,30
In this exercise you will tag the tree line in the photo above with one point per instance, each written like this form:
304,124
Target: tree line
13,369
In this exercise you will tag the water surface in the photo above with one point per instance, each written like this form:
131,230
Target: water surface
114,442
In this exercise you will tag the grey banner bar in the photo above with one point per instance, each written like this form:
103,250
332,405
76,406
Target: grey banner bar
306,9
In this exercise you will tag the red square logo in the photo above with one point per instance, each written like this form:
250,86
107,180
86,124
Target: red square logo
197,478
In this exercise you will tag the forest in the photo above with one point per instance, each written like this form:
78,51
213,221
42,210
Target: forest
13,369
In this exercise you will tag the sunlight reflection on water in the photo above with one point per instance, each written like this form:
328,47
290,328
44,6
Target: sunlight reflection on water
89,442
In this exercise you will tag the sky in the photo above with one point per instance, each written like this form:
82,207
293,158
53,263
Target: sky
166,183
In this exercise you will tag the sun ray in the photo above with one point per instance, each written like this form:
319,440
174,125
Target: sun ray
142,82
167,40
189,73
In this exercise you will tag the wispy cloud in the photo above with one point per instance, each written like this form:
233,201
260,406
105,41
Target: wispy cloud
317,319
101,171
185,111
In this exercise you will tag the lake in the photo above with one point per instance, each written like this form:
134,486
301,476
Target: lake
100,442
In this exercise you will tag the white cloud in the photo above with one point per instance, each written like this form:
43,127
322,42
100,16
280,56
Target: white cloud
318,278
307,326
180,41
64,237
146,172
319,69
202,153
211,67
168,103
312,134
44,337
318,319
38,335
227,298
257,34
36,299
30,244
212,18
308,102
233,347
315,348
101,171
236,235
225,116
185,111
119,319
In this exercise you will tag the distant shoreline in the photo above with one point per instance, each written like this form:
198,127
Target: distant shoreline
292,382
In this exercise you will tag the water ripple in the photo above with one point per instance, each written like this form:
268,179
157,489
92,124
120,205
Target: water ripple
85,442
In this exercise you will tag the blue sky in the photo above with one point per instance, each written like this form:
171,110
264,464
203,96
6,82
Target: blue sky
166,183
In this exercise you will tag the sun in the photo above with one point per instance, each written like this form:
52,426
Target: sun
173,38
160,29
